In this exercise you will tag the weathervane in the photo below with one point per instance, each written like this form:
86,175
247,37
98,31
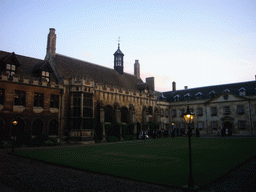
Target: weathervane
118,41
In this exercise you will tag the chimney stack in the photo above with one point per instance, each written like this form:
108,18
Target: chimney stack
173,86
185,87
137,69
151,83
51,43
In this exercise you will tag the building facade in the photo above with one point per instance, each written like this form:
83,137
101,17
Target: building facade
219,110
62,96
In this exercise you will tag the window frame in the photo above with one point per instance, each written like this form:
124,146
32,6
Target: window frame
38,99
240,109
10,71
20,98
213,111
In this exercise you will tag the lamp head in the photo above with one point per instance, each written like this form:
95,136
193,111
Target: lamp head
188,116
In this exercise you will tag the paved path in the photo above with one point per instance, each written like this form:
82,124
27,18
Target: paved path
24,174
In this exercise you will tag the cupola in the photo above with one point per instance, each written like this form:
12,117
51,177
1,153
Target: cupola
118,61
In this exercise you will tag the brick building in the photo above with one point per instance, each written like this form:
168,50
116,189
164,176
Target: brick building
60,94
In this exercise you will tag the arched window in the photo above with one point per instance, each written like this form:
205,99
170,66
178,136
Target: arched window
109,114
37,127
150,110
124,115
53,127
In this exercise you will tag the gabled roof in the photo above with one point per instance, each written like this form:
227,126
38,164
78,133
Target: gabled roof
26,63
233,88
68,67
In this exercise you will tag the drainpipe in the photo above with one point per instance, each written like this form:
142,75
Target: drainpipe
250,113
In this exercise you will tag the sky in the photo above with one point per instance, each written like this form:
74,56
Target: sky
194,43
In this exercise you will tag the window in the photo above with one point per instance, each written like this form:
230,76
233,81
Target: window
46,75
166,113
39,100
174,113
187,97
10,69
54,103
199,111
181,112
176,98
1,96
20,98
226,110
213,111
214,124
200,125
212,94
242,92
241,124
161,112
77,104
240,109
182,125
199,95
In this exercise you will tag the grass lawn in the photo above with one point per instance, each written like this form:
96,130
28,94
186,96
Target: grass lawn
161,161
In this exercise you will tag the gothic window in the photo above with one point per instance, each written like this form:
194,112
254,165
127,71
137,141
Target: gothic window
54,103
124,115
226,110
38,100
213,111
20,98
150,110
166,113
77,104
46,75
109,114
10,69
240,109
199,111
1,96
87,112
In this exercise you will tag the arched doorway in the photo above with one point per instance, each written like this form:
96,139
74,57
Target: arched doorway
227,129
19,131
37,127
53,127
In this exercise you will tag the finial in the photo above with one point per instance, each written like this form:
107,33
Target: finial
118,42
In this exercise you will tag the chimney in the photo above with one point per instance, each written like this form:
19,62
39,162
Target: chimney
173,86
51,43
185,87
151,83
137,69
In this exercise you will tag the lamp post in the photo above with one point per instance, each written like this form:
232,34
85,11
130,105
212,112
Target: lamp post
14,123
188,116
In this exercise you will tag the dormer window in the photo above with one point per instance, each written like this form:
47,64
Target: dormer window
10,69
176,98
199,95
242,92
212,94
187,97
226,90
46,75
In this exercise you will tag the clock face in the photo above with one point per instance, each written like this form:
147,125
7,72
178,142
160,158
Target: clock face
225,96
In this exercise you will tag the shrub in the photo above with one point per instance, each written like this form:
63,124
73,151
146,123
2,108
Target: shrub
112,139
48,143
128,137
39,140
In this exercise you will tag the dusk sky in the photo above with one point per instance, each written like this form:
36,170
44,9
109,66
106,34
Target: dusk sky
194,43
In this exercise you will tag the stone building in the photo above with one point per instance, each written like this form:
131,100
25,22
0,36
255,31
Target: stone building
228,109
61,94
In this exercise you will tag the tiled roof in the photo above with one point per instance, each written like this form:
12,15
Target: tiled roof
26,64
204,92
69,67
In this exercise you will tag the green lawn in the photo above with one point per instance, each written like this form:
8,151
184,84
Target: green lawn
162,161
